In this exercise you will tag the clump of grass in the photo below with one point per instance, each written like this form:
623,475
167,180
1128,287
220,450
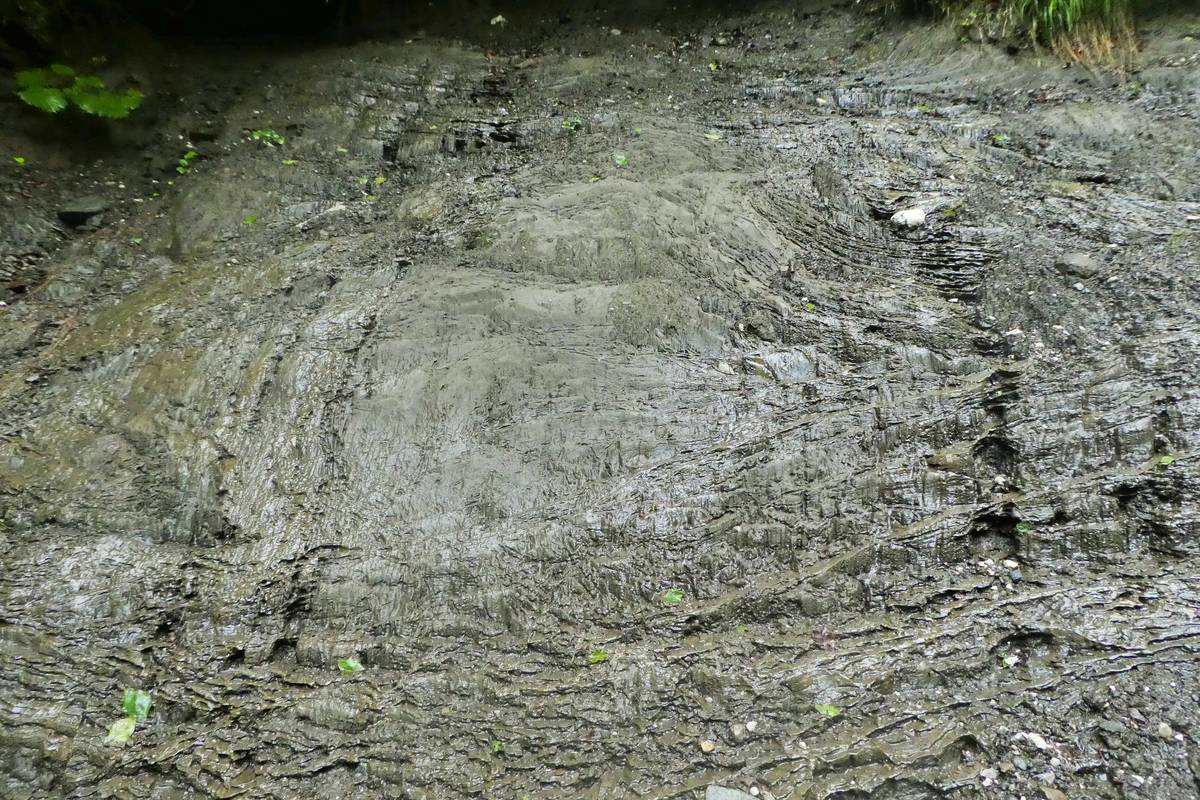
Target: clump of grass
1057,17
1098,31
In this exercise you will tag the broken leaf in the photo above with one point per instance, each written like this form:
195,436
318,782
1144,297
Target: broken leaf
120,731
136,703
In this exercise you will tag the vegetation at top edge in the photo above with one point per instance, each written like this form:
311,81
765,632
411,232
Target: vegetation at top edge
1045,19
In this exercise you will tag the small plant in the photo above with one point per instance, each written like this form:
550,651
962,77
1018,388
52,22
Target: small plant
1166,461
999,138
268,137
1173,244
598,656
620,158
58,86
497,747
1024,527
572,124
290,162
349,666
184,166
249,219
827,710
136,704
672,597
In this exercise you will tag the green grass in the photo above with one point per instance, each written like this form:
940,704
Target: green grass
1055,17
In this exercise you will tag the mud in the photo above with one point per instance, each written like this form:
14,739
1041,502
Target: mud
466,398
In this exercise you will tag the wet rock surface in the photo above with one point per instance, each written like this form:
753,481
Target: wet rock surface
443,386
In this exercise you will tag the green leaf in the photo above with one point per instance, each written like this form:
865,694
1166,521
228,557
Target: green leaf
362,181
136,703
380,180
350,665
45,98
810,306
714,66
63,70
1166,461
290,162
620,158
712,136
672,597
497,746
33,78
249,219
1024,527
598,656
828,710
89,82
20,160
93,97
189,155
120,731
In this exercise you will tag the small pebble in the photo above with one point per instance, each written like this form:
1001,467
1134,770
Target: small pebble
1020,763
708,745
1053,794
1165,732
1010,564
751,725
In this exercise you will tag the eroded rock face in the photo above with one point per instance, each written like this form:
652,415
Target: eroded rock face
467,414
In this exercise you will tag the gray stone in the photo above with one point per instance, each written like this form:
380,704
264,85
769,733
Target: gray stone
1081,265
909,218
724,793
1112,726
82,209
